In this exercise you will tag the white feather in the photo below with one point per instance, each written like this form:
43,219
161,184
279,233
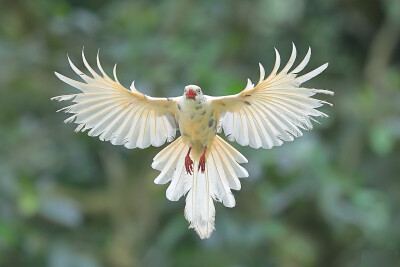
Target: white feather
221,175
275,109
116,114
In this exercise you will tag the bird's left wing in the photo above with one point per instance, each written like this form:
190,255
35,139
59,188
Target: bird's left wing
116,114
273,111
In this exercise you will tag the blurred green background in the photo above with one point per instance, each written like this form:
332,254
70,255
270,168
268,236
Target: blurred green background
330,198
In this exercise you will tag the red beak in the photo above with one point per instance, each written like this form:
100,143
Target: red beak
191,94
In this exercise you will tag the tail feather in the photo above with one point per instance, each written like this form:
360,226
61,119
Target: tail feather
219,189
181,181
200,210
167,161
222,174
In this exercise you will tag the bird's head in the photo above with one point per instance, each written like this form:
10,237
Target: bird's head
192,91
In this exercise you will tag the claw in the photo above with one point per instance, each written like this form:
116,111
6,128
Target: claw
189,163
202,162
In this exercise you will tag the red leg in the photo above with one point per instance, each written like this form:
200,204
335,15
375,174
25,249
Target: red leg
189,163
202,162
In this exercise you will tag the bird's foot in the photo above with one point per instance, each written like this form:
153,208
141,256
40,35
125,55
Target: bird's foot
202,162
189,163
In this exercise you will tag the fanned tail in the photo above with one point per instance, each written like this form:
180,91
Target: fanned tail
222,174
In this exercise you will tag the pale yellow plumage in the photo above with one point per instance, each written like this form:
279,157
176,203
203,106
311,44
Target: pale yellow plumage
277,109
116,114
274,110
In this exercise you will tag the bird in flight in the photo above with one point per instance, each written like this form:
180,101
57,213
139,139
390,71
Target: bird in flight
199,163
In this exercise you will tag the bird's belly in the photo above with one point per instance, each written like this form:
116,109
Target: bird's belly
197,131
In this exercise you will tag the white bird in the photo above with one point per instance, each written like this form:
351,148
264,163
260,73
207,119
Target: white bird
199,163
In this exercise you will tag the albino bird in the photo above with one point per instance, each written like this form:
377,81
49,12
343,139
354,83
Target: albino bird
199,163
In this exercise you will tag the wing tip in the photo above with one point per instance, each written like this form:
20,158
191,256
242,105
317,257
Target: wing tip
59,75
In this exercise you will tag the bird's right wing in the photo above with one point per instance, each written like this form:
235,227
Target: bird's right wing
116,114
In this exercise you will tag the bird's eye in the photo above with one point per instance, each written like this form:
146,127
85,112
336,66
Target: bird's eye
198,90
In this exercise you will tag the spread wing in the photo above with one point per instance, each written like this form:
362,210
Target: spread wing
116,114
273,111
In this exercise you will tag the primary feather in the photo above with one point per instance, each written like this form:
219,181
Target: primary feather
116,114
277,109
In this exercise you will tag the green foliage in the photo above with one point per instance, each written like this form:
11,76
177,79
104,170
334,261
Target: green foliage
326,199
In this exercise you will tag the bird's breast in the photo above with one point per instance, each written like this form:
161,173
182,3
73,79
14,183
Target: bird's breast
197,123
